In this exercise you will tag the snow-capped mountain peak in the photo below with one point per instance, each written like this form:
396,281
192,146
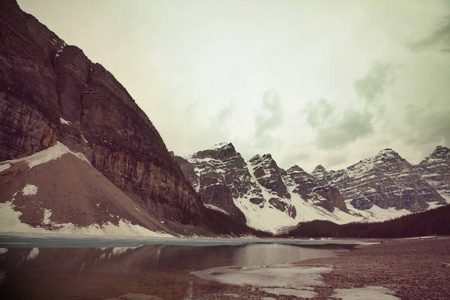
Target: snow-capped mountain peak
376,188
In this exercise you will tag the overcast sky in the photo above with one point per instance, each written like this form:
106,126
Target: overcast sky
311,82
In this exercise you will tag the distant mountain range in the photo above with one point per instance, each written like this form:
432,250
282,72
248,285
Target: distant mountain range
269,198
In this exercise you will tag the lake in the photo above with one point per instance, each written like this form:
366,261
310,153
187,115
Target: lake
67,267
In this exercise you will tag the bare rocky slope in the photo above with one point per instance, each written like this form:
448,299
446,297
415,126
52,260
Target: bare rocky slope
50,92
375,189
58,190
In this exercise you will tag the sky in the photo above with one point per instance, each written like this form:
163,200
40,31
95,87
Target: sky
311,82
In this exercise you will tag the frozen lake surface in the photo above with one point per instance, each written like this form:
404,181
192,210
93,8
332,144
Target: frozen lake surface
68,267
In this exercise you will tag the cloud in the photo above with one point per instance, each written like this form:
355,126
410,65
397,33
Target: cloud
318,112
349,127
372,86
225,114
439,39
335,129
426,125
270,114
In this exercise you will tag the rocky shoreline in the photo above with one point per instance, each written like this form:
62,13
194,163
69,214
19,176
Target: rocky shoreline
413,268
410,268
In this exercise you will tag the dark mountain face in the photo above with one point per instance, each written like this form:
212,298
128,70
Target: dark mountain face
50,92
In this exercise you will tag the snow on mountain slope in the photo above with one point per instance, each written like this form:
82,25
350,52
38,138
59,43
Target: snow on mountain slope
257,188
386,180
56,190
435,169
378,188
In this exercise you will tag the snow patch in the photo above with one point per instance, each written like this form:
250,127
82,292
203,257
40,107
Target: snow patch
30,190
285,279
65,122
378,214
10,222
291,292
47,155
33,254
3,250
47,215
219,145
121,250
4,167
210,206
368,293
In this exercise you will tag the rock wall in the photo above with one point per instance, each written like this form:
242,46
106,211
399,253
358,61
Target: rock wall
386,180
50,92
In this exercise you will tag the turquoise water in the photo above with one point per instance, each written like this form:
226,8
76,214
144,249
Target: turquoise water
70,241
64,267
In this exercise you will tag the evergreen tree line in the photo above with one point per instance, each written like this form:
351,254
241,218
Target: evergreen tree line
431,222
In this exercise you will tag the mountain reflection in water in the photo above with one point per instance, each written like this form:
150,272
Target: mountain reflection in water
156,270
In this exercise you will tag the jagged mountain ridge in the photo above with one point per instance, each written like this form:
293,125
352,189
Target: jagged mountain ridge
377,188
435,169
268,196
386,180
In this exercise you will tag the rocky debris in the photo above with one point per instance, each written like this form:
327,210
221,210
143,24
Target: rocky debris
411,268
50,92
51,193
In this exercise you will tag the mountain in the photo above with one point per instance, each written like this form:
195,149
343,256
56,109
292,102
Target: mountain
58,190
375,189
52,94
386,180
435,169
259,192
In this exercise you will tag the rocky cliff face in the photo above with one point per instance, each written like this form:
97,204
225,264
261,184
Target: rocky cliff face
435,169
386,180
314,191
50,92
220,175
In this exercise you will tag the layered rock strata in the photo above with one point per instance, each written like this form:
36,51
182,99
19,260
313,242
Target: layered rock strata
50,91
386,180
